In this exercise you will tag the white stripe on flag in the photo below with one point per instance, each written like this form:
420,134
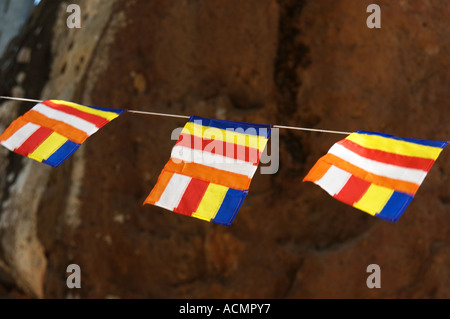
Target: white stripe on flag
334,180
173,192
20,136
382,169
69,119
224,163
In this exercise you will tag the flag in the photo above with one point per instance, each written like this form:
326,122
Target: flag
376,173
210,169
53,130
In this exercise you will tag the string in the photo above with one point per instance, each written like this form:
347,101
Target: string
186,117
159,114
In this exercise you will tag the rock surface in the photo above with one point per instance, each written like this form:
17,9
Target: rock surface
299,63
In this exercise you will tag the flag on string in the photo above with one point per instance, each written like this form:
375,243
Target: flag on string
53,130
376,173
210,169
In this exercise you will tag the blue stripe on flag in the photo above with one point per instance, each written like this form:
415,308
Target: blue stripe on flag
395,206
230,206
246,128
107,109
61,154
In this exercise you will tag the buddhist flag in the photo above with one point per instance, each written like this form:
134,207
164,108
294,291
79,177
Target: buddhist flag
376,173
53,130
210,169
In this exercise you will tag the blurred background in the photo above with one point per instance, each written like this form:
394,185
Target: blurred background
288,62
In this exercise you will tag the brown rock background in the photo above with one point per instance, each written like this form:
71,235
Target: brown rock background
291,62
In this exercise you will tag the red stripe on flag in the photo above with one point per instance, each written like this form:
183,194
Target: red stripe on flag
92,118
389,158
192,197
353,190
231,150
32,143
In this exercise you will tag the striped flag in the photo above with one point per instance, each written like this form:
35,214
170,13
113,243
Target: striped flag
53,130
376,173
210,169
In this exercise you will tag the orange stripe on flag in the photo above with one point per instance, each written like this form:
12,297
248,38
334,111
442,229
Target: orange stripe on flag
405,187
13,128
158,190
210,174
317,171
64,129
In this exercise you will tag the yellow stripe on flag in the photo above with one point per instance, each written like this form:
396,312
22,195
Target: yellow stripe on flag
211,202
48,147
248,140
105,114
395,146
374,199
